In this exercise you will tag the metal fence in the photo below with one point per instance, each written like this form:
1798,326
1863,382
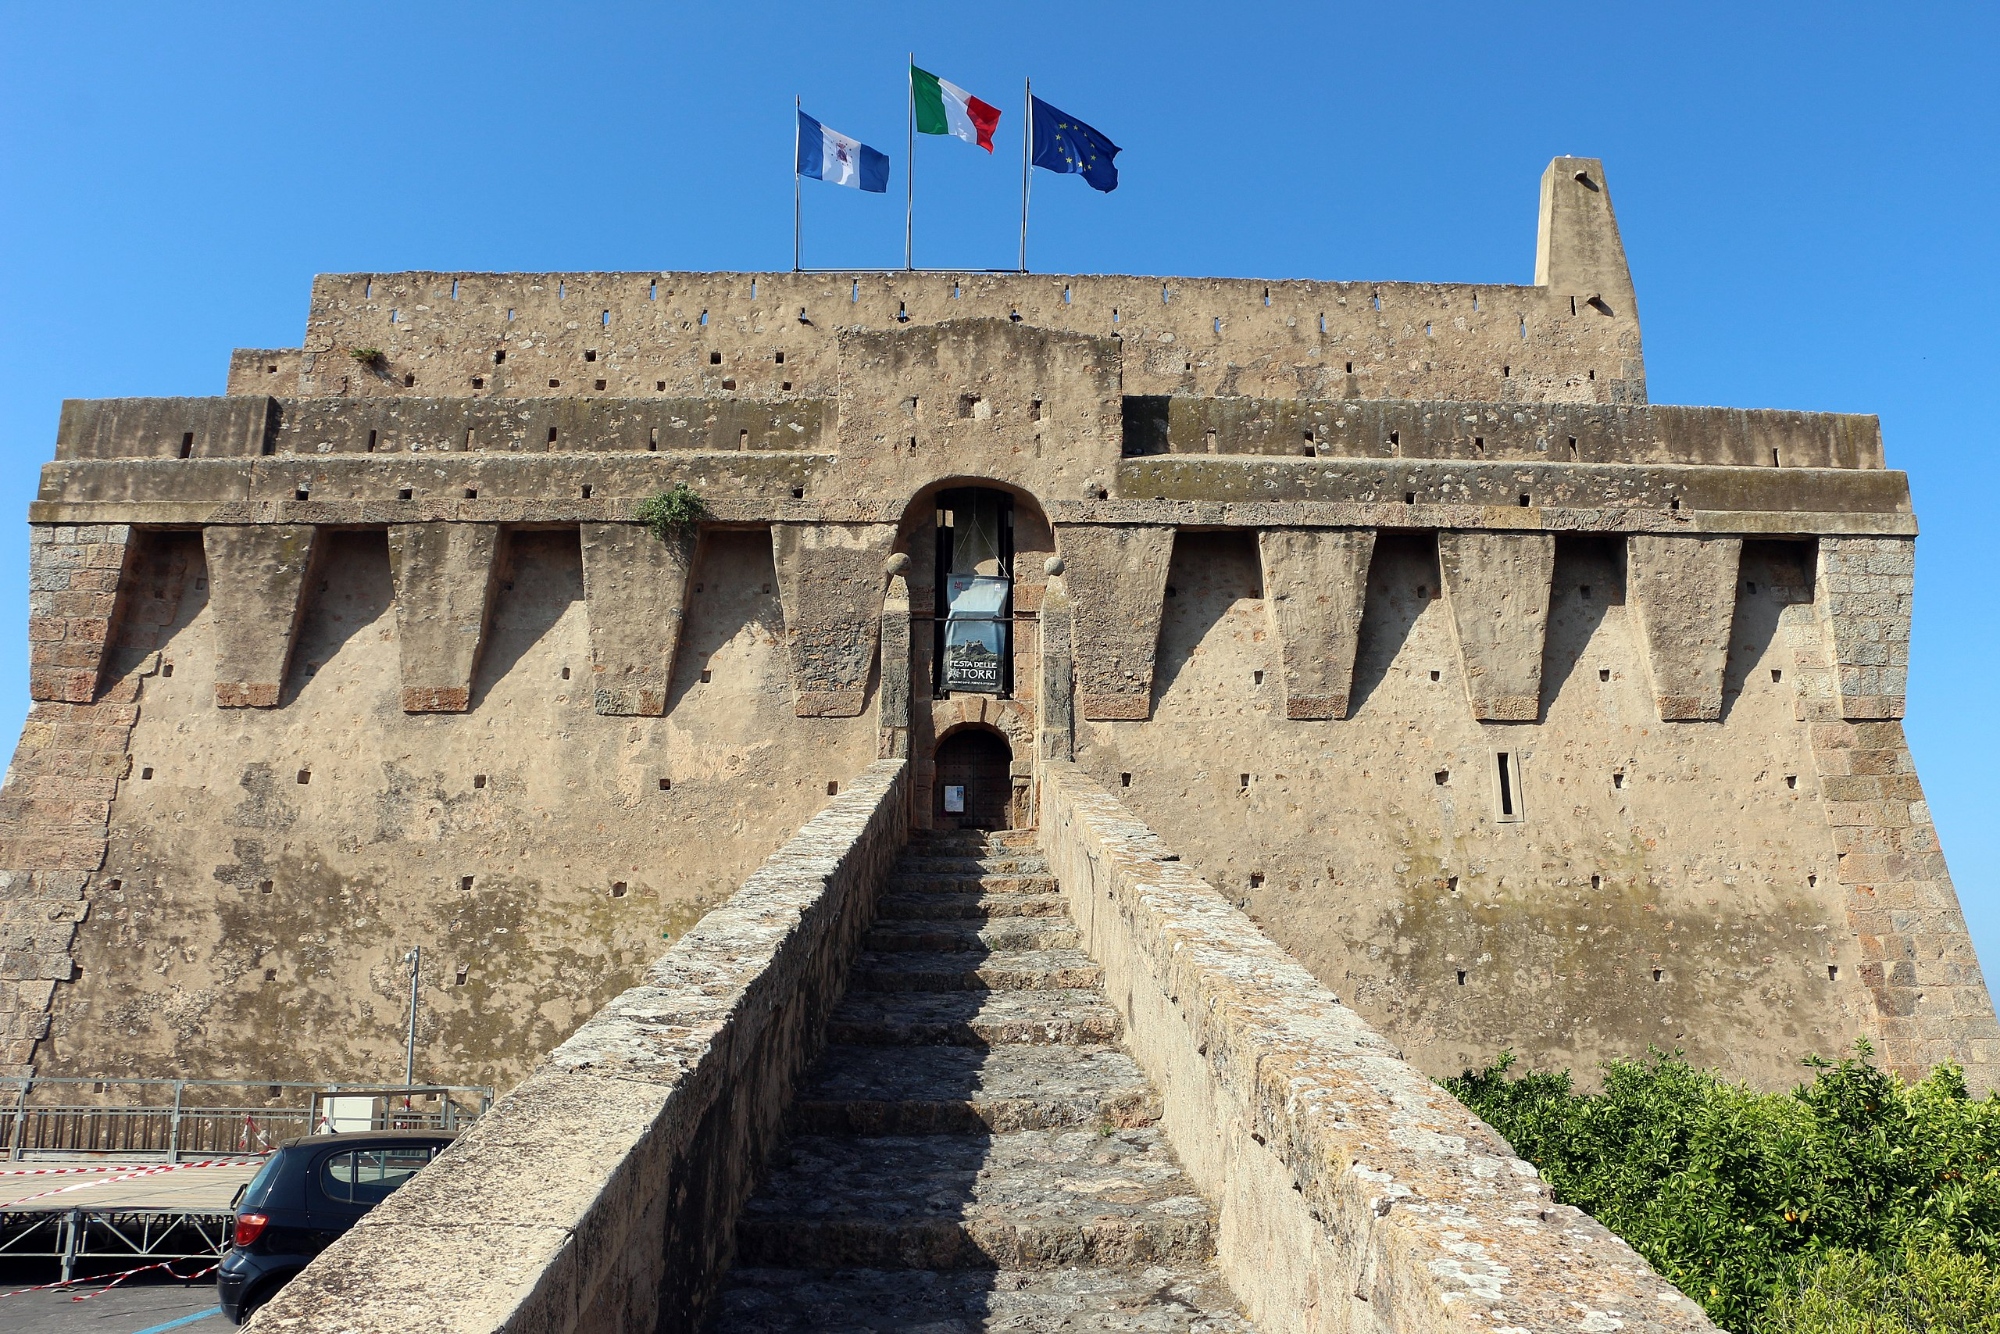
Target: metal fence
176,1119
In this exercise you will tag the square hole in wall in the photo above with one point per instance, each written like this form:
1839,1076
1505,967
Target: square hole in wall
1791,781
472,493
264,887
706,676
478,382
1441,777
1256,678
500,356
1124,780
478,781
166,669
659,386
302,494
1597,882
590,354
1617,780
1833,972
565,673
586,491
1436,675
1242,782
270,974
1604,673
465,883
666,785
618,889
405,493
1461,977
1777,674
458,978
1256,880
798,493
146,773
715,358
729,384
305,776
597,384
409,381
833,789
555,384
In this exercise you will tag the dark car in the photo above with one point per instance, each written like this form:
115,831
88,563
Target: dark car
312,1190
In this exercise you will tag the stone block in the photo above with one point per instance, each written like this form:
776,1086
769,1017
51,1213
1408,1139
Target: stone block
831,578
444,575
1117,582
256,576
1497,585
1315,583
634,586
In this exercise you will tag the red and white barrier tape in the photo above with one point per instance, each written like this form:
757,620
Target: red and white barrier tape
152,1170
63,1171
116,1279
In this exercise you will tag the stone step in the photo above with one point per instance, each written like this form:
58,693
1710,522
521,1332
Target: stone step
911,865
1027,1200
970,884
1153,1299
973,1018
1002,970
954,1091
934,907
964,935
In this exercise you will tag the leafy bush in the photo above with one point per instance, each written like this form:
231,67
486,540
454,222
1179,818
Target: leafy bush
1852,1292
1748,1200
367,356
672,515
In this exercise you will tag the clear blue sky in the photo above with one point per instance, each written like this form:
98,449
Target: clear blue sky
1807,195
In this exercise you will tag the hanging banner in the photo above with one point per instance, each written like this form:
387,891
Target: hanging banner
975,633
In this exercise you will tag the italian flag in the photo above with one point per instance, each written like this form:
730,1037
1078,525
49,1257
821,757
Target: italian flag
946,108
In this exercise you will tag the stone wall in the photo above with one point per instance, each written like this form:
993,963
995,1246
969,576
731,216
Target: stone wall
601,1194
1353,1194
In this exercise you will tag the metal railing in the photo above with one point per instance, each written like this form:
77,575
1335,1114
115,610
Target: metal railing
173,1119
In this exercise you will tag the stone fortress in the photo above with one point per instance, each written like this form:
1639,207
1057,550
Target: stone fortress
1524,713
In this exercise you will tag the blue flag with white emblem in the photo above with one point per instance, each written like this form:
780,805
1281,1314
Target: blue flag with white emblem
1064,143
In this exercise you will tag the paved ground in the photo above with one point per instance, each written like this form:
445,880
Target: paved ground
130,1309
60,1186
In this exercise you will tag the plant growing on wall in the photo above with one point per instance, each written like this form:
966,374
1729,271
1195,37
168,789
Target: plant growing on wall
370,357
673,515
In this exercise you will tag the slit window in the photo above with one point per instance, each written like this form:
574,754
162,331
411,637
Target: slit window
1507,790
187,445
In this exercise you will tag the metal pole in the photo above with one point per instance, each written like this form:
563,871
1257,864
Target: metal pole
795,182
415,958
71,1221
174,1131
1027,156
910,163
21,1120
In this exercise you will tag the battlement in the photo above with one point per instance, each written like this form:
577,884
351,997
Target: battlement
1572,337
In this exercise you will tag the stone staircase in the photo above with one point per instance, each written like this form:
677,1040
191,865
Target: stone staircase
975,1151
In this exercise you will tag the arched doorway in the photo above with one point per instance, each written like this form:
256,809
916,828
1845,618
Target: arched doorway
975,786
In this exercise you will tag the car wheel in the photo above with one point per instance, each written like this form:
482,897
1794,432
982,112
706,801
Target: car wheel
252,1302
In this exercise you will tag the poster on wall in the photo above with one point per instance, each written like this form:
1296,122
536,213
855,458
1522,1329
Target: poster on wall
954,800
975,634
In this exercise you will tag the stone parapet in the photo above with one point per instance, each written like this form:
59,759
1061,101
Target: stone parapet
1353,1193
601,1194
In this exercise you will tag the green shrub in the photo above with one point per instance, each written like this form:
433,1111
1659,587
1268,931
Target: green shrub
1739,1196
673,515
367,356
1919,1289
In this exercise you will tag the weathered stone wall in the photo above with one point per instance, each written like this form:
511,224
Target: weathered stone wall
268,867
601,1194
1353,1194
1717,884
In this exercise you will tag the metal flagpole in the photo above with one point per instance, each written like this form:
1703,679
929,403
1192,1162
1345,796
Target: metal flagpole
795,182
415,958
1027,153
910,162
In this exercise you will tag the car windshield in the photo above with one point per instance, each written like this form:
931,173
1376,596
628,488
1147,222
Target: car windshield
366,1176
260,1185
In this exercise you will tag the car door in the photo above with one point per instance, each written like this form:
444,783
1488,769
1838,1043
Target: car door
350,1182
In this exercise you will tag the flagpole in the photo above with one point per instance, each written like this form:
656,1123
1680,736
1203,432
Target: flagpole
1027,153
795,182
910,169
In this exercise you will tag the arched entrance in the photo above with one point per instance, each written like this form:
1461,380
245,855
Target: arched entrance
974,787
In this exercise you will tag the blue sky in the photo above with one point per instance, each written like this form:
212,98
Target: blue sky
1807,194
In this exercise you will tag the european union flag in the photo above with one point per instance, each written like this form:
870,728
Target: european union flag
1064,143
